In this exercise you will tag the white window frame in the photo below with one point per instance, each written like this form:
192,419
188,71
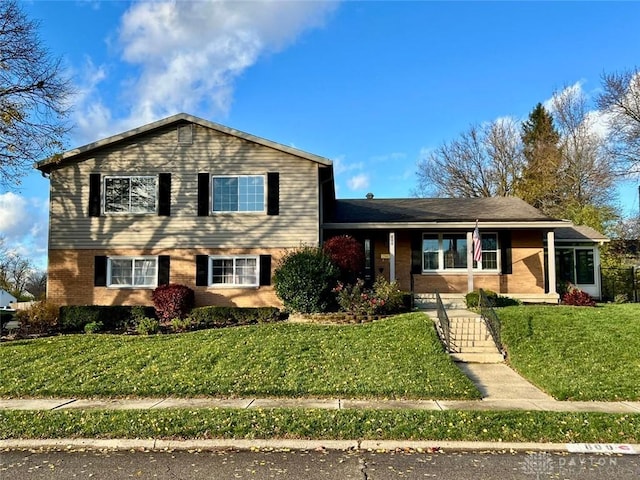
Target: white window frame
441,255
133,259
235,284
238,177
129,177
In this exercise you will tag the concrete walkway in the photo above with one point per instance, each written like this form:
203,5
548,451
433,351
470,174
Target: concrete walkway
489,403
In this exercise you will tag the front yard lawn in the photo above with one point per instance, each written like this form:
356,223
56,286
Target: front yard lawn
506,426
576,353
400,357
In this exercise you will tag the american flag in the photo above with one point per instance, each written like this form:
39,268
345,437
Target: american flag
477,245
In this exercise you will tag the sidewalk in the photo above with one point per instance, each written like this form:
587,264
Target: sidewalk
320,403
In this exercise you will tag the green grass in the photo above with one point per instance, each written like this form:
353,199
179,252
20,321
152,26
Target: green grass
507,426
399,357
576,353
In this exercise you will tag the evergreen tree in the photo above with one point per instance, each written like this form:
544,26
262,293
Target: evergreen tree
538,184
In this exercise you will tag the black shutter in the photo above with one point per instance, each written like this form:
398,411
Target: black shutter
164,266
164,194
273,193
265,269
505,252
416,252
100,271
94,195
203,194
202,269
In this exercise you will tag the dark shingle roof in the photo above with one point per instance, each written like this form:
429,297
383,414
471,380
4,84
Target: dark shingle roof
578,233
495,209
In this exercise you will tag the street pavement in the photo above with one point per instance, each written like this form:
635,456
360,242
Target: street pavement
315,464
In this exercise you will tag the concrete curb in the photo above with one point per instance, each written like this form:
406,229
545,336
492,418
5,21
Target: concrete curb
431,446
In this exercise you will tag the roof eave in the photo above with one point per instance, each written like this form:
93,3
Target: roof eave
443,224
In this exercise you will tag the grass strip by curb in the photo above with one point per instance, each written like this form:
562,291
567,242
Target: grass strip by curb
290,423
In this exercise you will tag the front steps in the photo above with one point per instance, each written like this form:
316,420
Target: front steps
471,341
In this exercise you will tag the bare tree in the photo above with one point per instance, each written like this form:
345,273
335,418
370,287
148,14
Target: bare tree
33,96
620,99
483,161
586,166
37,284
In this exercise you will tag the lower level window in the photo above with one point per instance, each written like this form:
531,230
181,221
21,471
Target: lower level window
132,271
234,271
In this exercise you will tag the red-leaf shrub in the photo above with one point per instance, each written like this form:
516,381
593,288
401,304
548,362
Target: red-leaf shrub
347,253
578,298
172,301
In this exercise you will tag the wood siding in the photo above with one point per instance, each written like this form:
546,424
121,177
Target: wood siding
213,152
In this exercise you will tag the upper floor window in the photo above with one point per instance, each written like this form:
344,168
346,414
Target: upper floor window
130,194
448,251
132,271
238,193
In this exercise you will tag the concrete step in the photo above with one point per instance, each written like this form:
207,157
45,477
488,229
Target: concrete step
477,357
476,349
475,343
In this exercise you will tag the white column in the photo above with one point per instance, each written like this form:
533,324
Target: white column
470,261
551,261
392,256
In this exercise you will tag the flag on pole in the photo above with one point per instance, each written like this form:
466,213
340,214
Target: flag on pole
477,245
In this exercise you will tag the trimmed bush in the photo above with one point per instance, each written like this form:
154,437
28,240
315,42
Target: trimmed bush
172,301
40,318
218,317
73,318
304,281
147,326
93,327
495,300
179,325
578,298
347,254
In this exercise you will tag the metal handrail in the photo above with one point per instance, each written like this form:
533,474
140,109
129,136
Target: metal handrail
443,320
491,319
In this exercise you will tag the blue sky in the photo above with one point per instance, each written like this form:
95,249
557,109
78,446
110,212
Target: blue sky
370,85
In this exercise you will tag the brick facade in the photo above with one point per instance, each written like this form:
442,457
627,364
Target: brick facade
71,279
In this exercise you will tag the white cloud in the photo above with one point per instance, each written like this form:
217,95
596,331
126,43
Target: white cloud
358,182
389,157
23,226
190,53
340,165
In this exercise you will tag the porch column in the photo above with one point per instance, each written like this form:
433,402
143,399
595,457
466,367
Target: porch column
392,256
551,261
469,261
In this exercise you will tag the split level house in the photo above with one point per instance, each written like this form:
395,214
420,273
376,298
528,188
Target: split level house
188,201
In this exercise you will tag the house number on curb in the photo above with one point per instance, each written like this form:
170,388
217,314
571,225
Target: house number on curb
601,448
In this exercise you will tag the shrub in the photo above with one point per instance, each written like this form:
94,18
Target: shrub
172,301
384,298
93,327
355,298
578,298
471,299
147,326
73,318
304,281
347,254
180,324
391,298
40,318
216,317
